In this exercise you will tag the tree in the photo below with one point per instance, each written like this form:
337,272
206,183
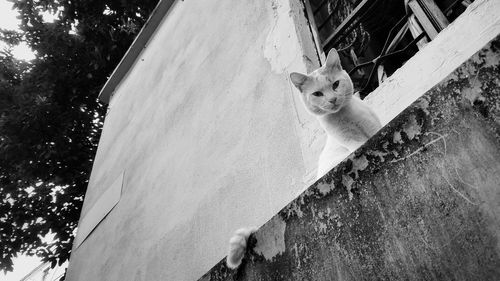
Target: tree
50,118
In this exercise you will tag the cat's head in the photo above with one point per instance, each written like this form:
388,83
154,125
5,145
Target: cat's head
327,89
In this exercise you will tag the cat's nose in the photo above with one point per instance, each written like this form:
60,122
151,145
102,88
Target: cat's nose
333,100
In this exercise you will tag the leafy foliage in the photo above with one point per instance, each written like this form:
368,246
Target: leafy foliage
50,118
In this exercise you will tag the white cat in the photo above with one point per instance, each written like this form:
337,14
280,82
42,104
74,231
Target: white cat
327,93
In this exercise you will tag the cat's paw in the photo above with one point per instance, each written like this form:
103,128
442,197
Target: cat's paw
238,245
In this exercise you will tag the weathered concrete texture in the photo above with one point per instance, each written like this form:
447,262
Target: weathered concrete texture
419,201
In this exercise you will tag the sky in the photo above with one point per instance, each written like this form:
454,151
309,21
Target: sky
22,265
8,20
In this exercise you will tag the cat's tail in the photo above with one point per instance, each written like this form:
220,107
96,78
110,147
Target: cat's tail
238,245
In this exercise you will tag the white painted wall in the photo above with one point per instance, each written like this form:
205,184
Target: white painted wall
210,136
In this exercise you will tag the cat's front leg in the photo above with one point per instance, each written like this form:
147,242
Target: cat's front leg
330,157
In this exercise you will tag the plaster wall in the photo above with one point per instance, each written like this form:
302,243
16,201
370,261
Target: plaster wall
208,135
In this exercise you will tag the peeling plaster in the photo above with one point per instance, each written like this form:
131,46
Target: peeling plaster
379,154
322,227
397,137
297,257
423,104
473,93
271,238
281,47
294,209
325,188
489,58
359,164
412,128
347,181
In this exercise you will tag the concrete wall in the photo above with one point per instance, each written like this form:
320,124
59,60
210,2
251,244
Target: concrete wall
207,134
419,201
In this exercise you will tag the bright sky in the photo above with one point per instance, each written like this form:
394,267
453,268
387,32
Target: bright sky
22,266
25,264
8,20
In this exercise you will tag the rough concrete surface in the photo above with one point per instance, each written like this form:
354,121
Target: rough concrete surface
419,201
210,136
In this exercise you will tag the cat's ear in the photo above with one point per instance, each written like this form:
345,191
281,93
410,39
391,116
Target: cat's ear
333,60
298,80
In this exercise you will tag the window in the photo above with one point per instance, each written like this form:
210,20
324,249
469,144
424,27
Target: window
376,37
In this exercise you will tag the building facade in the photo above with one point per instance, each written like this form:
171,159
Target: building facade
205,133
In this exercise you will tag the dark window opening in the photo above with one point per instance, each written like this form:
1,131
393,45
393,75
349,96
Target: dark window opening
376,37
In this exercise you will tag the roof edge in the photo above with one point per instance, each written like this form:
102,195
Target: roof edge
135,49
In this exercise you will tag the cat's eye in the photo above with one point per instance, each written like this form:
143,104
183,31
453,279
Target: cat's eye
317,94
335,85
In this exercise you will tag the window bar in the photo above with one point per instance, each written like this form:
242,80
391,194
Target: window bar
327,18
466,3
340,32
452,5
422,18
397,26
320,6
349,29
312,27
414,41
429,15
386,44
377,60
383,55
434,14
415,29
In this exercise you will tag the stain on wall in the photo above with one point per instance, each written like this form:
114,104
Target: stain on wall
272,237
419,201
